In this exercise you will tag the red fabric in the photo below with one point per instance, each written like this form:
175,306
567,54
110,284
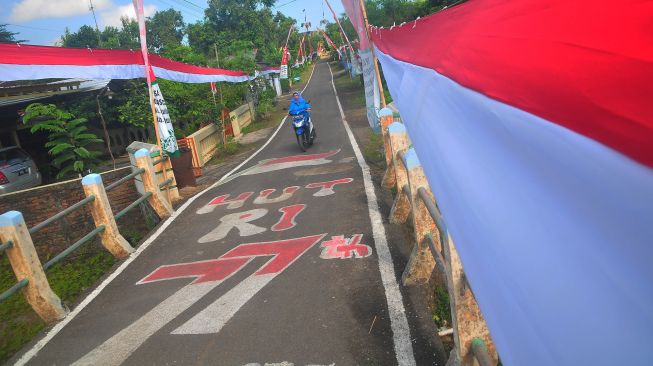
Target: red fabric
585,65
11,53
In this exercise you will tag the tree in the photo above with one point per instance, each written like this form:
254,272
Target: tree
165,30
68,138
86,36
9,36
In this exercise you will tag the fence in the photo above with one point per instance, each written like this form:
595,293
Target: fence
204,142
16,238
434,247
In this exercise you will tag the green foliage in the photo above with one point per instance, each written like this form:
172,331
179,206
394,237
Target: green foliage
441,307
8,36
18,322
68,138
165,30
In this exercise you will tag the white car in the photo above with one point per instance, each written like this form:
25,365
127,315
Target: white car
17,170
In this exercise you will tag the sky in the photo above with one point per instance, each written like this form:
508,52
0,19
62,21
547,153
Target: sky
42,22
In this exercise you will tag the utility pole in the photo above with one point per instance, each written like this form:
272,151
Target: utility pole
97,29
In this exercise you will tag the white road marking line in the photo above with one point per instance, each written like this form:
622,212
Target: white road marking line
398,321
216,315
29,354
116,349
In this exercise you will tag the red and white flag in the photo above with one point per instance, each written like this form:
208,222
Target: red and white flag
330,42
214,89
533,121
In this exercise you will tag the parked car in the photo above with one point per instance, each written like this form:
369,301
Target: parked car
17,170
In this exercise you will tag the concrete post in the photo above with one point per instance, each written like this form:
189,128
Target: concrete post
385,117
26,265
468,322
111,238
399,142
421,262
157,200
173,192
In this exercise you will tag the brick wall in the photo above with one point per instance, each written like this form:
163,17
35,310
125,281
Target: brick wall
40,203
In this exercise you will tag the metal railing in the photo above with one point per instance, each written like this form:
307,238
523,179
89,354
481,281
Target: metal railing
414,199
132,205
105,227
67,211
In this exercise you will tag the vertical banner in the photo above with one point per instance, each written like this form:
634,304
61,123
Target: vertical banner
372,97
166,131
163,124
284,64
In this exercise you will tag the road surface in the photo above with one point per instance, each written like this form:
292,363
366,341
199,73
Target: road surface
283,262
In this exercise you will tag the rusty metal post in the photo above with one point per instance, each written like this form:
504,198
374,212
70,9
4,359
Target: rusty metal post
111,238
421,262
26,265
157,200
399,142
389,178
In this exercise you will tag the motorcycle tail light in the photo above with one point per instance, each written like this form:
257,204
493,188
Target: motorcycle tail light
3,178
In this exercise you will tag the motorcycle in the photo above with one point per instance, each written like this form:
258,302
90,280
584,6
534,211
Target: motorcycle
304,131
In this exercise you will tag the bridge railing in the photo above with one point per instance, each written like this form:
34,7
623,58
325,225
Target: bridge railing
433,247
16,239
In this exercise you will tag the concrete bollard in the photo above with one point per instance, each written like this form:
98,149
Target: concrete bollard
111,238
399,141
421,262
157,200
26,265
468,322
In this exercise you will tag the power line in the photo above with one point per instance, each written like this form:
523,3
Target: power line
278,6
193,4
187,10
37,28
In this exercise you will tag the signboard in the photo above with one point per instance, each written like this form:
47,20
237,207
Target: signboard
284,64
372,97
284,72
166,131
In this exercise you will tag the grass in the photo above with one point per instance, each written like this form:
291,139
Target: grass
19,323
373,150
441,307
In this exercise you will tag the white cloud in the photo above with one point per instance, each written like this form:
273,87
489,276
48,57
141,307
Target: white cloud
27,10
111,17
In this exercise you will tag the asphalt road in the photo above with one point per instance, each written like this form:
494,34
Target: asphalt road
297,275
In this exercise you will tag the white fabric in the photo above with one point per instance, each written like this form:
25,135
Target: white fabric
11,72
196,78
554,230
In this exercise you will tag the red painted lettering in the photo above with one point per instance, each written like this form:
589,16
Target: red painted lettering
287,220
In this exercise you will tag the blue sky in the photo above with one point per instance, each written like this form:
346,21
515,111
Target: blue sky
43,21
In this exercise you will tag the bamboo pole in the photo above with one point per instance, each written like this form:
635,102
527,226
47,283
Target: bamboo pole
376,62
158,136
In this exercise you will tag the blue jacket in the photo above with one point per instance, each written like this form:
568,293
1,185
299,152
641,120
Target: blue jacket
298,106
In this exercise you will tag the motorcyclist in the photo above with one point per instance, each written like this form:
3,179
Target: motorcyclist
299,106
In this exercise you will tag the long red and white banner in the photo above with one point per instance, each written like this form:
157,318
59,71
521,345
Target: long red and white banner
533,121
26,62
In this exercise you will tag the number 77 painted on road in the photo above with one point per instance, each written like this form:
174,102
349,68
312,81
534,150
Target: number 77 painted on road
208,275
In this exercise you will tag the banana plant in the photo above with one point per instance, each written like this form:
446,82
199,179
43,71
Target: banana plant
68,138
